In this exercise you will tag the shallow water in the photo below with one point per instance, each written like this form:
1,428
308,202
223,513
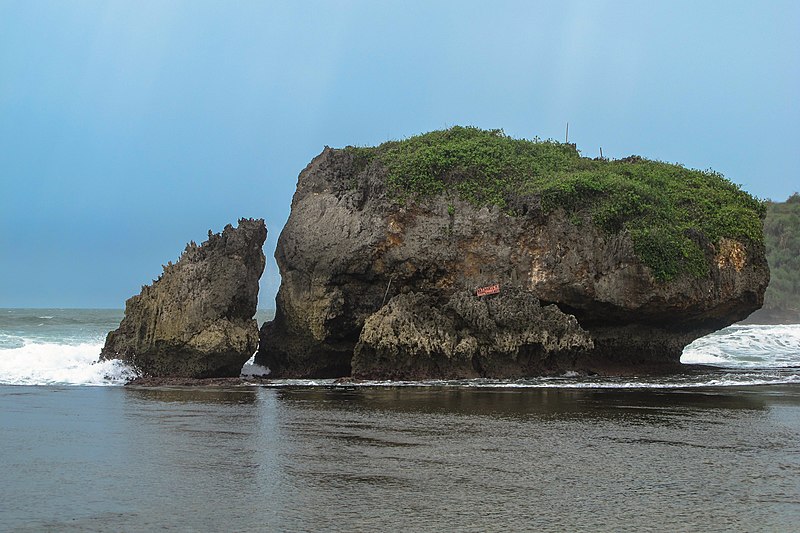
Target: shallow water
716,448
122,459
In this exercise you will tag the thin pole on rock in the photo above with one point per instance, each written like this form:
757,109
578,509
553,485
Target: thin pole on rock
601,152
385,294
566,136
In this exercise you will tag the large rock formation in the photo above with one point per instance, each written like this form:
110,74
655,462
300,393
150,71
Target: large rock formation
378,283
196,320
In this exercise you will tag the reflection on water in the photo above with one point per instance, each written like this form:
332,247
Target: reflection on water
521,403
506,402
254,459
239,395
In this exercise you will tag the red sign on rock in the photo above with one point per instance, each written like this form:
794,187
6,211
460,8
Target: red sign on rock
486,291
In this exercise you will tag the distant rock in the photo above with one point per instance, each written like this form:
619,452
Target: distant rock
782,239
196,319
603,266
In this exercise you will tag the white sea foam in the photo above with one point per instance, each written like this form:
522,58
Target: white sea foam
37,363
255,370
747,346
743,380
744,355
251,369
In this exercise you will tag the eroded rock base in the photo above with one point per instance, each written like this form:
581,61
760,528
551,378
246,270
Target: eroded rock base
504,336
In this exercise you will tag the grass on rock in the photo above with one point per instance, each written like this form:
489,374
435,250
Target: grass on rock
666,208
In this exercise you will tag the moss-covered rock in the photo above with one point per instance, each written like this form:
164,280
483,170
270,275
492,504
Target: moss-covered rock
661,205
646,256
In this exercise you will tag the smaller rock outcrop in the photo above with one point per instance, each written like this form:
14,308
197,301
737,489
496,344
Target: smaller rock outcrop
196,320
508,335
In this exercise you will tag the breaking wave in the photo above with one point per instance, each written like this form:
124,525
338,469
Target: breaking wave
62,347
42,363
747,346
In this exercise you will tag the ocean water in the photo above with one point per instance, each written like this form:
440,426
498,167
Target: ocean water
714,449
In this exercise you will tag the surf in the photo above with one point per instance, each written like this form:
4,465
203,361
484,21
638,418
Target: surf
47,363
64,350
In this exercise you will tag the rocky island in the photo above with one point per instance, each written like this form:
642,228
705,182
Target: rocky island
196,320
465,253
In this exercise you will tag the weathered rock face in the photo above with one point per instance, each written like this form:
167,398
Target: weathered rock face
196,320
415,337
395,284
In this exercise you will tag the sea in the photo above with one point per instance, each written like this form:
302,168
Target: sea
716,448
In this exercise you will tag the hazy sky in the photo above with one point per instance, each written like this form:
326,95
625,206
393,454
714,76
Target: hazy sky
129,128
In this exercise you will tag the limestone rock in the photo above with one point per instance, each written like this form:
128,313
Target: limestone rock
350,248
196,319
508,335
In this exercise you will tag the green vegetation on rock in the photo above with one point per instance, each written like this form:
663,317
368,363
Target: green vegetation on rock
668,209
782,236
